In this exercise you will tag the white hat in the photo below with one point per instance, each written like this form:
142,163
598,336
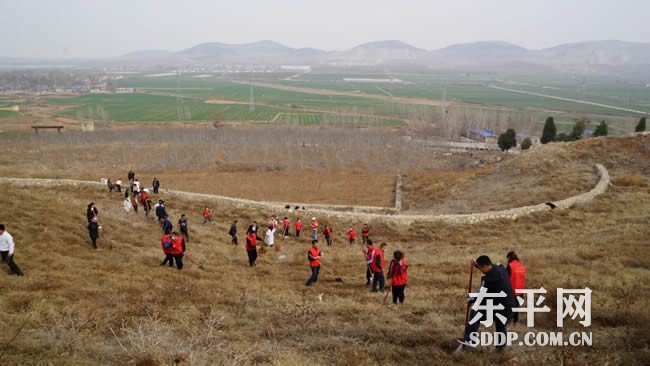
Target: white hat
313,218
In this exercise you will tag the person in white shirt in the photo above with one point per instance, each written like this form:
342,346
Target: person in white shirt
127,205
269,238
7,251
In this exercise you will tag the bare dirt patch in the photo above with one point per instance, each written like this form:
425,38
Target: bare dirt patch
223,101
338,188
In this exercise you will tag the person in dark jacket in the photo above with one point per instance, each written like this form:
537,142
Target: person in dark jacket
183,225
233,232
161,212
93,231
155,184
167,225
92,211
494,280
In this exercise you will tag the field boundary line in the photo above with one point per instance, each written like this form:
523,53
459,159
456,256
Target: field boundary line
569,99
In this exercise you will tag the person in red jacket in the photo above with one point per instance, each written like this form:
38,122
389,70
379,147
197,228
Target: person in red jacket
365,233
314,229
313,255
517,273
206,215
298,228
327,233
377,267
166,244
285,227
178,248
251,248
352,235
398,274
371,252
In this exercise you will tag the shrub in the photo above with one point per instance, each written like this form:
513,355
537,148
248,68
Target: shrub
526,143
507,140
563,137
601,129
578,131
549,132
640,127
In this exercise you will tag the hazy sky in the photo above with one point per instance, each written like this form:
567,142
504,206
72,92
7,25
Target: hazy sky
100,28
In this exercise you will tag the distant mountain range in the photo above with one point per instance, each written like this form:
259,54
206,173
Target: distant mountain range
398,52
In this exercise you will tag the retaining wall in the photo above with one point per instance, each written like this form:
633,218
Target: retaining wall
362,213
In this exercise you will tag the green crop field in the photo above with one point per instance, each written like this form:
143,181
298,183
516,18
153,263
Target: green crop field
241,92
476,89
5,114
299,118
143,107
156,101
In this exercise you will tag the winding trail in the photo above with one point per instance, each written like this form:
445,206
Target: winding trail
364,213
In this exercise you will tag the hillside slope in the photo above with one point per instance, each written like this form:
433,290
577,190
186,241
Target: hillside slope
116,305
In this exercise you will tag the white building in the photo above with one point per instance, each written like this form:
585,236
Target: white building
124,90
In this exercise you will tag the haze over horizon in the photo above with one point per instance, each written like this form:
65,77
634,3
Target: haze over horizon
77,28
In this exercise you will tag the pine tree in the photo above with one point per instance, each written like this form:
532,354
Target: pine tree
640,127
601,129
578,130
549,132
507,140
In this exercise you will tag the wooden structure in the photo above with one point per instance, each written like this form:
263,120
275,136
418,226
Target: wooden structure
36,128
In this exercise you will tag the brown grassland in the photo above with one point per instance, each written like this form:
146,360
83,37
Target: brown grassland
116,305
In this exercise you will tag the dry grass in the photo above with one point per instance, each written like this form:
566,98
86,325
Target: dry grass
630,181
116,305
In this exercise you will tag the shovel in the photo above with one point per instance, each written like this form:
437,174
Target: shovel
337,279
193,262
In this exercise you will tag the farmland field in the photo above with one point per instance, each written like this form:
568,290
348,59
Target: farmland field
312,98
143,107
5,114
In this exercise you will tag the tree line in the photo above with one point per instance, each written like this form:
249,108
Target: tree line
508,139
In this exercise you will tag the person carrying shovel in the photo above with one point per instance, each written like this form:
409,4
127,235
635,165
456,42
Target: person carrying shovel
313,256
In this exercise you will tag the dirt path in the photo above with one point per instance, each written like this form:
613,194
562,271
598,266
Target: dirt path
403,100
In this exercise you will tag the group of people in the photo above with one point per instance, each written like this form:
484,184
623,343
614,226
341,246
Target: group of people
376,264
173,244
509,279
497,278
365,234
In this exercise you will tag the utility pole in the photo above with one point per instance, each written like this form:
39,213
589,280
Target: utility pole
179,102
251,104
